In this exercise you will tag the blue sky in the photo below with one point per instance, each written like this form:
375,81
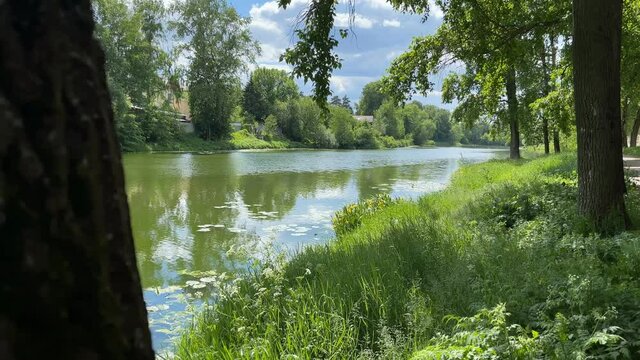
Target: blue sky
381,34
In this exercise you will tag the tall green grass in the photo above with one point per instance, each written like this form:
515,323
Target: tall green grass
632,151
448,276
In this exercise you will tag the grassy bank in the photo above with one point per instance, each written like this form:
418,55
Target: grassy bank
239,140
496,266
242,140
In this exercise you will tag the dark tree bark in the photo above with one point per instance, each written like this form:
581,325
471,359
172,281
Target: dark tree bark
556,141
545,92
596,72
69,286
512,105
634,130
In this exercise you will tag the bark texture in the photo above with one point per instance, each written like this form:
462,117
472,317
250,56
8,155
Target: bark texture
512,104
556,141
634,130
69,286
596,59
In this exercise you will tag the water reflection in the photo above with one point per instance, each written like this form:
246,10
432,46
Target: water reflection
194,214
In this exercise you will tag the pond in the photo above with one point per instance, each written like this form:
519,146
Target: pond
198,218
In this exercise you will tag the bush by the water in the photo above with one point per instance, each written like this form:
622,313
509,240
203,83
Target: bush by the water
497,266
351,216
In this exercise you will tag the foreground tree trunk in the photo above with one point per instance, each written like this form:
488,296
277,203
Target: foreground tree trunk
634,130
69,282
512,104
596,72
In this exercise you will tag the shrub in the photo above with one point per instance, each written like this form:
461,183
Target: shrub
350,217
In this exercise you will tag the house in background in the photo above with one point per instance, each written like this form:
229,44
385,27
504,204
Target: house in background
364,118
183,112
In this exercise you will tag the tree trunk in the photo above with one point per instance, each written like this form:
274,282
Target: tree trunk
545,92
556,141
512,104
625,115
596,73
70,286
634,129
556,132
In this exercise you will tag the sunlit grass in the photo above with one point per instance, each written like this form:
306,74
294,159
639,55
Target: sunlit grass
503,232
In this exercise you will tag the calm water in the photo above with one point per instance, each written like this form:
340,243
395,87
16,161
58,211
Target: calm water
198,217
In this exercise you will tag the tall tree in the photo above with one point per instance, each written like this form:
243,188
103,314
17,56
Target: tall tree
392,124
130,35
264,89
346,103
219,46
505,27
372,98
596,77
70,285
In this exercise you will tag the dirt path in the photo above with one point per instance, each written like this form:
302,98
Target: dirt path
633,165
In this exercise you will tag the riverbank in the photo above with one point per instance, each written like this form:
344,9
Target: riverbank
242,140
497,264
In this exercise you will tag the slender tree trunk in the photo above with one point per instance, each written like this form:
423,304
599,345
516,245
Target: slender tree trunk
545,92
69,281
556,141
512,104
625,115
635,128
556,132
596,72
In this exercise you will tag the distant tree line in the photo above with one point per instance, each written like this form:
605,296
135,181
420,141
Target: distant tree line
145,41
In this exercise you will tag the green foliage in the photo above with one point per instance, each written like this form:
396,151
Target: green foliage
391,123
265,88
312,55
371,99
633,151
367,137
416,279
342,125
351,216
130,36
270,130
238,140
486,335
219,45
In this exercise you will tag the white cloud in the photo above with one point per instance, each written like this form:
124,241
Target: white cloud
265,25
393,54
260,17
280,66
391,23
435,10
349,84
359,21
379,4
270,53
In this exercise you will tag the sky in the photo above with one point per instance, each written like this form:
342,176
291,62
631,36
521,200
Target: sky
381,34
